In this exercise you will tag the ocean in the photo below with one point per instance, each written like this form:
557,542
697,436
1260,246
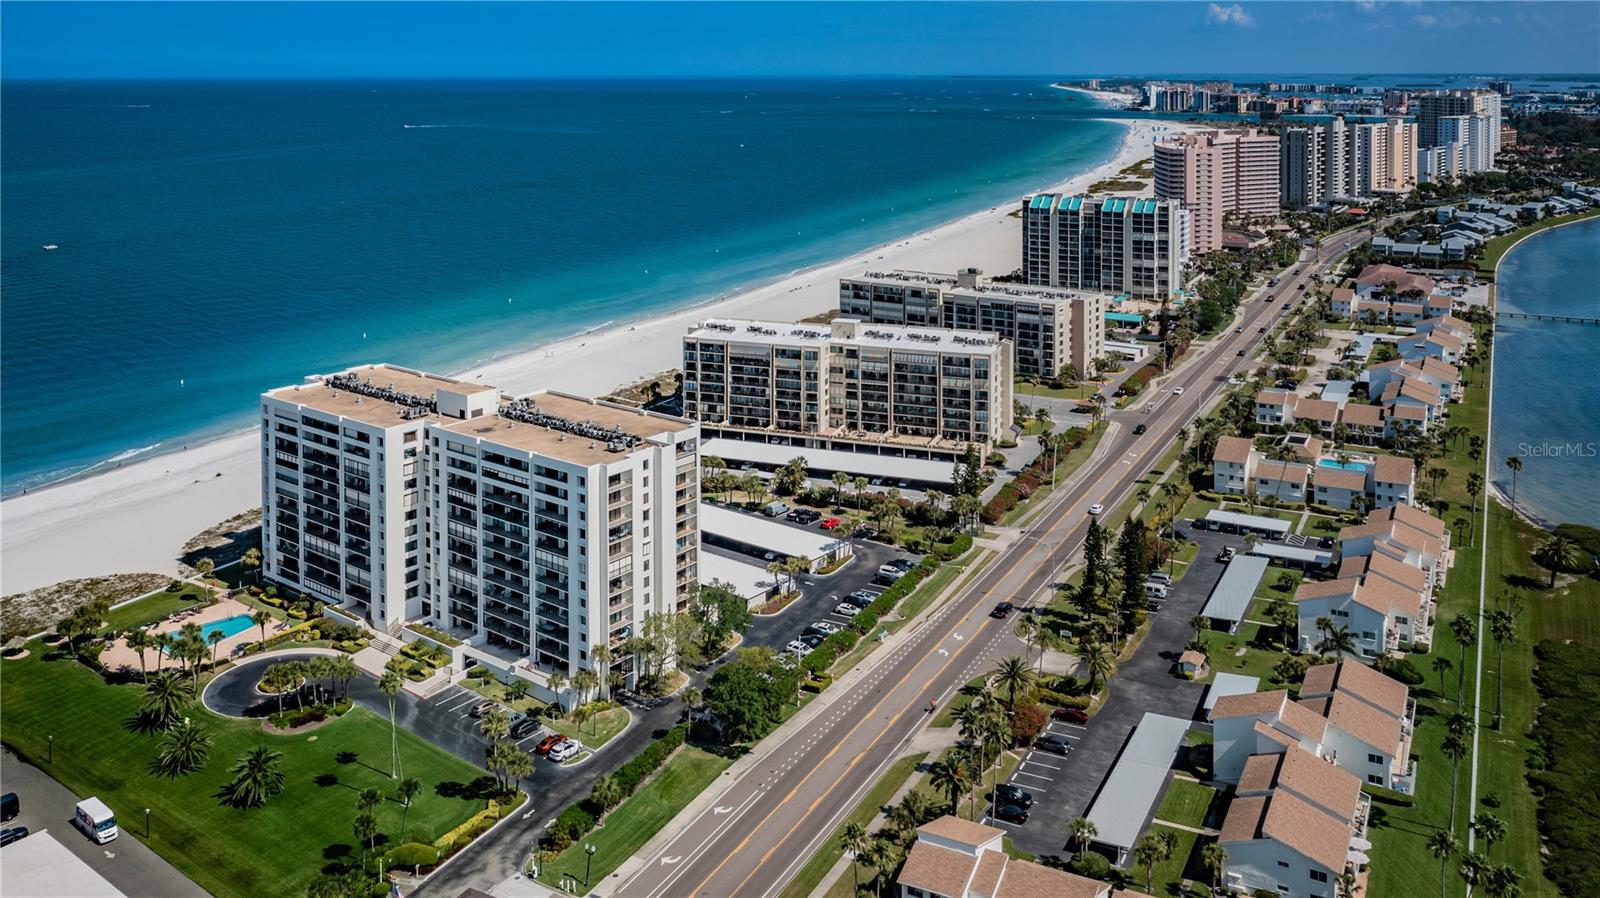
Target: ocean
1547,380
217,239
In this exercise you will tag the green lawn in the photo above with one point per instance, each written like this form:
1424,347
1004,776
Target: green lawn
635,821
1260,653
1168,875
1187,803
1065,468
1025,392
1496,247
596,731
818,865
154,607
947,713
276,849
494,688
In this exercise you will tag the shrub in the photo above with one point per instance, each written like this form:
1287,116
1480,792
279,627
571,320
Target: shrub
1062,700
413,855
1026,724
1092,865
1399,669
573,824
296,631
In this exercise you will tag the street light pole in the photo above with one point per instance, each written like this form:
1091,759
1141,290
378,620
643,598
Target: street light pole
147,824
588,862
51,740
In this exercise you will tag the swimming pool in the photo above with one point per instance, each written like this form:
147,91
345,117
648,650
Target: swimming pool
1339,465
228,626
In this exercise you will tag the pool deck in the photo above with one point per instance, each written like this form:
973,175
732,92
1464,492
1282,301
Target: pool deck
119,656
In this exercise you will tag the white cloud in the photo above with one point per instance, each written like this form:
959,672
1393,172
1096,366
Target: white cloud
1450,17
1232,14
1367,5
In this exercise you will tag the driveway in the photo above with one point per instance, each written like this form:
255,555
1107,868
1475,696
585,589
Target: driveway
1064,787
125,862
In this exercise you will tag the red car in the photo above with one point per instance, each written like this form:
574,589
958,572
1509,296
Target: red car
829,523
1070,715
547,743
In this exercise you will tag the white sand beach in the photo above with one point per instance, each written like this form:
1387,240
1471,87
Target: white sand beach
137,517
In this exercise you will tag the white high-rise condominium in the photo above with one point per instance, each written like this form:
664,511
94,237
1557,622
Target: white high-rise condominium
1218,174
1476,135
1111,244
1314,163
1432,107
1383,157
1049,328
927,391
534,529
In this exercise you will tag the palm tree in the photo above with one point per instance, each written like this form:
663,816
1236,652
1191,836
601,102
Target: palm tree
855,841
496,724
1013,675
1514,463
1443,846
693,699
1489,828
139,640
1147,853
213,638
911,812
390,684
252,563
1556,554
602,664
840,481
1441,666
880,854
1345,883
1082,831
183,748
257,776
365,829
344,670
261,618
204,567
558,682
949,775
1503,627
518,765
860,484
1215,859
1339,641
1475,868
1455,748
1465,631
605,794
405,793
1503,882
164,698
1098,661
583,681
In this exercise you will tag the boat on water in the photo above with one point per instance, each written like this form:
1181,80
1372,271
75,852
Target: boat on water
50,246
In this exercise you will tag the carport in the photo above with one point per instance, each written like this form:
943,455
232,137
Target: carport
1234,522
755,534
1229,684
1129,794
1230,598
1303,557
750,581
827,461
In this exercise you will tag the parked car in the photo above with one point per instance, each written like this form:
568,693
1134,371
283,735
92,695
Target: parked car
1226,555
1070,715
564,751
12,833
1011,814
10,806
1002,610
904,564
829,523
797,647
1058,744
524,728
827,627
1159,577
1010,794
813,641
548,743
484,707
864,533
846,609
860,599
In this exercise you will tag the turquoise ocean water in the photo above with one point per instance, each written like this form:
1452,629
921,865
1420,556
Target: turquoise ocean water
1547,375
218,239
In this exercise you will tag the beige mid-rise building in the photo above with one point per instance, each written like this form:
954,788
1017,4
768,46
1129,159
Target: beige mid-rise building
1218,174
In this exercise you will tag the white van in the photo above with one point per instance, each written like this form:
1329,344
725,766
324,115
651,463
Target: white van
775,509
1155,590
96,820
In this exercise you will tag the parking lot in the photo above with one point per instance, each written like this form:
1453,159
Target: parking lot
1064,786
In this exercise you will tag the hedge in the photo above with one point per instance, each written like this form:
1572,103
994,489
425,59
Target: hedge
578,818
279,638
413,855
476,825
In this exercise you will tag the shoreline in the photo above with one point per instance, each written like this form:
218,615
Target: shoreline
138,516
1494,491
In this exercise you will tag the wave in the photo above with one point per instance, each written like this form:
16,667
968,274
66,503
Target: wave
424,126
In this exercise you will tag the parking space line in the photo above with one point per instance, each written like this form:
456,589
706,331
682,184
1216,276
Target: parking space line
1047,779
1030,760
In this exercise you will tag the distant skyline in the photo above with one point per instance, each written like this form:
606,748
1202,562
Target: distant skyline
509,40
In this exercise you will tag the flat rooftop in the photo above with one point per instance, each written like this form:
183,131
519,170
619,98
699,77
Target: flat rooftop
985,286
867,464
765,533
553,442
316,393
41,867
819,336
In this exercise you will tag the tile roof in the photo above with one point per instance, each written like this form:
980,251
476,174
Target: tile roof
1022,879
1383,565
1358,415
1307,829
1234,450
1323,589
1260,772
1408,413
1415,517
1365,722
1338,478
1317,410
1244,819
1294,472
1275,397
956,829
986,879
1303,721
1278,736
1248,704
1393,469
1328,787
1361,681
940,870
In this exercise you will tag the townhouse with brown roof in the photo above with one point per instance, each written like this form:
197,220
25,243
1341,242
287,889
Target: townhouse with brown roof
955,858
1295,824
1275,408
1381,614
1405,532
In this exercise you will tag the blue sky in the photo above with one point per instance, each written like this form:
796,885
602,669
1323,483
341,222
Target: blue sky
230,40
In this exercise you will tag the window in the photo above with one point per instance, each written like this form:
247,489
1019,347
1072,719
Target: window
1319,876
1283,864
1374,759
1374,779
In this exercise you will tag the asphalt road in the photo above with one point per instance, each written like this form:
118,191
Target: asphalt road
125,862
784,808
